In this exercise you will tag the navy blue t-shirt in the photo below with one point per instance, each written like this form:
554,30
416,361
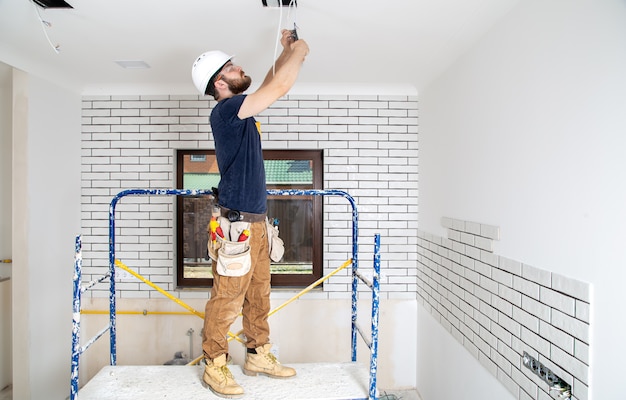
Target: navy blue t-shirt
239,157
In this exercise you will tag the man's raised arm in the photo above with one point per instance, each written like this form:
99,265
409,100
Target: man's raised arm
279,79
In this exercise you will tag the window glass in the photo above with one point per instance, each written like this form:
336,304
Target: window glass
299,218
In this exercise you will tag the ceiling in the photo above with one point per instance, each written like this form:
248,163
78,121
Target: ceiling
387,43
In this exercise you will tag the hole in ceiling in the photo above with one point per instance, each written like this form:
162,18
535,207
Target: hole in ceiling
279,3
52,4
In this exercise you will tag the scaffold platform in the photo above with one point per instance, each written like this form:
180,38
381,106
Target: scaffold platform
314,381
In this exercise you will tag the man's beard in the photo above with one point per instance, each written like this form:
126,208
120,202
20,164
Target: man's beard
239,85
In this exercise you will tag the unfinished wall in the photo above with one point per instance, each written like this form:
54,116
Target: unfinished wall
525,132
499,308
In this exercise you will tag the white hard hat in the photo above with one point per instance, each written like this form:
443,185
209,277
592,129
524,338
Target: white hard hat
205,66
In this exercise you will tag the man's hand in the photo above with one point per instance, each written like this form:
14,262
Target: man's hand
286,40
289,44
300,45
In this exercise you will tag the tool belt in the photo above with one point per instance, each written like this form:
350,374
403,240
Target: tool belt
234,215
276,244
230,247
229,241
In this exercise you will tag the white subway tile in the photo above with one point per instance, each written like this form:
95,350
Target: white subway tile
536,308
529,288
570,364
526,384
472,228
507,352
512,266
490,231
512,296
535,341
488,363
537,275
458,225
571,287
578,329
582,311
501,276
454,235
525,396
581,351
490,258
486,308
169,104
484,243
502,305
489,284
557,300
557,337
489,338
509,324
580,391
467,238
105,104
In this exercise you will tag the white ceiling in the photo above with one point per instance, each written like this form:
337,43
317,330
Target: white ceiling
393,42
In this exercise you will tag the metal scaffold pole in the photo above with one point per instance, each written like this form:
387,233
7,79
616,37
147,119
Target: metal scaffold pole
374,285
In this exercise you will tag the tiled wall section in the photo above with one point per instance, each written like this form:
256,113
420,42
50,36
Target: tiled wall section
499,308
370,151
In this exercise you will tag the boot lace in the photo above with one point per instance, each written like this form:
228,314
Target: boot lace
225,372
272,358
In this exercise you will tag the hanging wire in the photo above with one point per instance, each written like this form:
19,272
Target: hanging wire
280,22
45,24
292,4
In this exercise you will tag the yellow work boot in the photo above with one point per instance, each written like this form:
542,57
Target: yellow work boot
219,379
264,362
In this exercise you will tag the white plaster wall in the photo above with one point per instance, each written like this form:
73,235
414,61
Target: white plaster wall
526,132
446,370
19,237
5,224
46,217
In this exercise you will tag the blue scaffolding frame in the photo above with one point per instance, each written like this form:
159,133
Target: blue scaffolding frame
79,288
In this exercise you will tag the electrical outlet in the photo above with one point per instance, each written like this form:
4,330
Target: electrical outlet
555,383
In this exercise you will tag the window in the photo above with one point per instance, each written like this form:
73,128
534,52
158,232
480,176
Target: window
299,218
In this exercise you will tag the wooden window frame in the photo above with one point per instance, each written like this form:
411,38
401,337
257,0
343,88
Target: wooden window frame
278,280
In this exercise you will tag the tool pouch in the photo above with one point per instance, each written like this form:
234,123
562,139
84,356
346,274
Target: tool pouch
233,258
212,246
276,244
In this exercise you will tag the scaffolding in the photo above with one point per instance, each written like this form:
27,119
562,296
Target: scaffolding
79,288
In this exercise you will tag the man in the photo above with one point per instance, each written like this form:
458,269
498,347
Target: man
242,193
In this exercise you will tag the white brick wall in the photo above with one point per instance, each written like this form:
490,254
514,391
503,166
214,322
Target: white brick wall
499,308
370,151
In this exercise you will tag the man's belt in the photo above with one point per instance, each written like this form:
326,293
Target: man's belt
234,215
